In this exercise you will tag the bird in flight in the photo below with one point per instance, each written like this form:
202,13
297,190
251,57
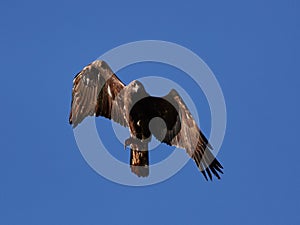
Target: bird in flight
97,91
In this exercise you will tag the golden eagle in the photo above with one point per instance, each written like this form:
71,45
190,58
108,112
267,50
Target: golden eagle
97,91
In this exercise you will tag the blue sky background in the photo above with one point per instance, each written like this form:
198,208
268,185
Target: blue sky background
252,48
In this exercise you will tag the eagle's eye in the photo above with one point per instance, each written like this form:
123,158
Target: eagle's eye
138,123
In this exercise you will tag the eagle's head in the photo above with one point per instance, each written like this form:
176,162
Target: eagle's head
134,92
136,86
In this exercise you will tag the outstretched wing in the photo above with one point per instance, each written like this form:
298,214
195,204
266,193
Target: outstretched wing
95,93
187,135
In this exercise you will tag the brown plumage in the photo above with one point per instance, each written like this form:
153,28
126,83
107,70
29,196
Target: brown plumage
97,91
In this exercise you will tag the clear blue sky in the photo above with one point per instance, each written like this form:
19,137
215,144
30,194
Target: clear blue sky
252,48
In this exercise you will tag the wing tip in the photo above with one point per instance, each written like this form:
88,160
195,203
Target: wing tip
72,123
214,169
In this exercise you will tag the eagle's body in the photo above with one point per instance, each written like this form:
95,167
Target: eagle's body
147,109
140,117
97,91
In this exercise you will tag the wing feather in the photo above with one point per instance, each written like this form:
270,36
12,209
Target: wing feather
94,93
191,138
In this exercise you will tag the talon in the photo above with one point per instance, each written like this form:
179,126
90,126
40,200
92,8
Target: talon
127,142
134,142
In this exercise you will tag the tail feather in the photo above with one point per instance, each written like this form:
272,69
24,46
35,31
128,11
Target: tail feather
139,162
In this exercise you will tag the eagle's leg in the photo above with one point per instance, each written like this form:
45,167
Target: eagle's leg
128,142
132,141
